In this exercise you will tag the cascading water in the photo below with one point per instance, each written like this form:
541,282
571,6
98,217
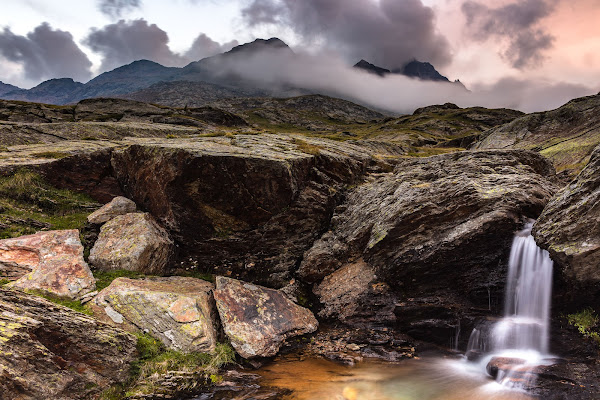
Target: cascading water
518,342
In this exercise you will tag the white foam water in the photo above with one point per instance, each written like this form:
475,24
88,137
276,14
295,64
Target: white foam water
521,337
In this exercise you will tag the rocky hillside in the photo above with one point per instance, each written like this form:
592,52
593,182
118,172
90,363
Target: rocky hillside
566,135
387,248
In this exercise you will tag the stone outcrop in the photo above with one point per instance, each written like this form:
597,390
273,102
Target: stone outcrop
439,226
178,311
51,352
566,135
118,206
569,227
133,242
50,262
257,320
250,205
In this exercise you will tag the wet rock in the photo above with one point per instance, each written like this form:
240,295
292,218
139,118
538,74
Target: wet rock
178,311
134,242
503,365
118,206
257,319
438,226
50,262
569,227
51,352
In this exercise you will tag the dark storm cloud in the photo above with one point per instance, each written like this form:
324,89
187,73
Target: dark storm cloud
115,8
45,53
518,23
126,41
388,33
204,46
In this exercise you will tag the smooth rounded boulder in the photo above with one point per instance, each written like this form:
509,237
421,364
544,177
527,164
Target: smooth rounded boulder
179,311
257,319
134,242
50,262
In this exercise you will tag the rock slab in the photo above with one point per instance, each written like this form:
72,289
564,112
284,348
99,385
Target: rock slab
133,242
118,206
257,319
51,352
50,261
179,311
569,227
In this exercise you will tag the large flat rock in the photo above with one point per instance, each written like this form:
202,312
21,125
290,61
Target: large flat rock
178,311
51,352
257,319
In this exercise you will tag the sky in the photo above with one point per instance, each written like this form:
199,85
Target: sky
527,49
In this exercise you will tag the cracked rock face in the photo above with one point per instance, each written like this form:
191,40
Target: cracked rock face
178,311
134,242
569,227
50,262
52,352
257,320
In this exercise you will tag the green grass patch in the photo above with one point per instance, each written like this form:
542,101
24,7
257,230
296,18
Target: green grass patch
4,282
156,361
306,147
586,322
104,278
431,151
72,304
29,204
51,154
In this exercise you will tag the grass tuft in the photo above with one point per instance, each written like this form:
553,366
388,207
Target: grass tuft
306,147
72,304
104,278
586,321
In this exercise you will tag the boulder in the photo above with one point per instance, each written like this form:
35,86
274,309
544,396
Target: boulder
569,227
179,311
439,226
353,290
257,319
118,206
133,242
50,262
52,352
249,205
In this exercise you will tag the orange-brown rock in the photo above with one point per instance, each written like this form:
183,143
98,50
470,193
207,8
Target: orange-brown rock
51,262
257,319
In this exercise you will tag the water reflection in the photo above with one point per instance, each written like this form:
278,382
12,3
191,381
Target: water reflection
424,379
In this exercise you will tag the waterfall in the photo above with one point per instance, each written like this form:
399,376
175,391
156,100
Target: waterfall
511,347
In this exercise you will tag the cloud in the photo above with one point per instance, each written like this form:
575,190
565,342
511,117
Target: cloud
518,24
327,74
204,47
126,41
45,53
116,8
388,33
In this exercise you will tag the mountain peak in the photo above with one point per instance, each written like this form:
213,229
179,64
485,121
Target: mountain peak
371,68
422,70
261,44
